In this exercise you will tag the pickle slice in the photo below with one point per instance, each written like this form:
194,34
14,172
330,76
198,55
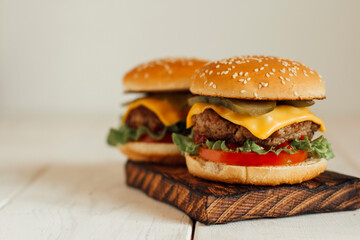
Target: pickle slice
299,103
244,107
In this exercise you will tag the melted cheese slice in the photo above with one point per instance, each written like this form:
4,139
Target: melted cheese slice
260,126
167,113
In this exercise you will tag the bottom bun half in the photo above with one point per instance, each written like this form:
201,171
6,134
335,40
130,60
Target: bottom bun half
164,153
267,175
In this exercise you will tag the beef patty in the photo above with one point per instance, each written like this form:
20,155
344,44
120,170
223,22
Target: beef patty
214,127
142,116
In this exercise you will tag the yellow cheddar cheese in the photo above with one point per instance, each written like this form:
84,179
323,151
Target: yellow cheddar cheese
260,126
167,113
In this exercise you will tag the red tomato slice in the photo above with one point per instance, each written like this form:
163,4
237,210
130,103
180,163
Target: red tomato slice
251,158
147,138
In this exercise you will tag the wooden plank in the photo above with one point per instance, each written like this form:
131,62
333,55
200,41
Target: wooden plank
89,201
15,179
215,203
329,226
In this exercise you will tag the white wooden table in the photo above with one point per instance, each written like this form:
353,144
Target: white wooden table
59,180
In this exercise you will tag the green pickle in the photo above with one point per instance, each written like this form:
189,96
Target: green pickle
244,107
299,103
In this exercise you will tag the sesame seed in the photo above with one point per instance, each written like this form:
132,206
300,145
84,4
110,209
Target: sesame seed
217,66
235,75
233,66
245,74
306,74
248,78
271,73
287,79
290,74
218,73
241,73
255,94
273,70
267,75
256,70
296,94
260,86
282,70
283,82
243,91
210,84
265,84
262,68
214,86
281,78
241,80
266,65
245,82
210,72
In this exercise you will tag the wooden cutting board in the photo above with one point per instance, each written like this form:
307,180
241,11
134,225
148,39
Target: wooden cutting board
213,203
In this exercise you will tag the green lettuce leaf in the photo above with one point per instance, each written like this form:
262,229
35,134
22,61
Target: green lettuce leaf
319,148
248,146
179,127
186,143
125,134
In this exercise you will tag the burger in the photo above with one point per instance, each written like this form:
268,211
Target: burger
146,127
251,122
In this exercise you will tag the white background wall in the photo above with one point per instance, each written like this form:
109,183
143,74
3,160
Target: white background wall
69,56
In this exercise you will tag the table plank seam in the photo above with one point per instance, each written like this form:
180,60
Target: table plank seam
27,184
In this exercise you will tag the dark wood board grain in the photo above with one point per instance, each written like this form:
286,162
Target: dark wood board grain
214,203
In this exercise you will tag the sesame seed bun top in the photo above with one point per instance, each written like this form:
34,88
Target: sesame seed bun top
167,74
258,78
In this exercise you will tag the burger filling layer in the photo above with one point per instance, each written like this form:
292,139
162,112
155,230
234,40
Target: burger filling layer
149,120
142,116
217,139
213,127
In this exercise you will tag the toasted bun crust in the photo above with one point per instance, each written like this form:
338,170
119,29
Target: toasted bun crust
164,153
276,175
258,78
168,74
